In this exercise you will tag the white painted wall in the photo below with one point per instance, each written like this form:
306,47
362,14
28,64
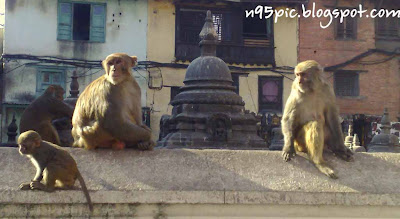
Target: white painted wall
31,28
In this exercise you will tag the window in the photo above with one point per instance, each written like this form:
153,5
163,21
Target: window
47,76
387,27
235,78
346,84
81,21
242,40
217,20
270,93
256,28
347,29
192,21
174,91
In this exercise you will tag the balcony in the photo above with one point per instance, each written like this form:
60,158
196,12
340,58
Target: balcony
230,53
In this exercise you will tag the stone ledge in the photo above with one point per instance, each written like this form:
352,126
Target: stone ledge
184,176
200,197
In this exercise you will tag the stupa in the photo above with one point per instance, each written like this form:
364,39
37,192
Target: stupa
384,142
207,113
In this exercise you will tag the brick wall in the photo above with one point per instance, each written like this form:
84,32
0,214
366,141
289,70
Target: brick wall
379,84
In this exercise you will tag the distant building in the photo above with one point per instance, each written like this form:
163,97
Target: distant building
361,59
260,53
45,41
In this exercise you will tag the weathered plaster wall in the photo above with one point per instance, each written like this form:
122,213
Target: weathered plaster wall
31,28
161,47
2,10
286,40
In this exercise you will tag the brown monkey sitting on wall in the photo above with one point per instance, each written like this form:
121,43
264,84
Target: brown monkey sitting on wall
311,118
108,113
42,111
53,164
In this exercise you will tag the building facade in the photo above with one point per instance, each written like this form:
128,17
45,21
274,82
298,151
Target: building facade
60,37
260,53
361,59
46,41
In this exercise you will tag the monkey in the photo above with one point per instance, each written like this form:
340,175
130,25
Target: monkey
311,118
54,165
38,116
108,113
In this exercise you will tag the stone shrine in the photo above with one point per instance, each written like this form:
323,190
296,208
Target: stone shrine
349,138
277,141
207,113
384,142
64,125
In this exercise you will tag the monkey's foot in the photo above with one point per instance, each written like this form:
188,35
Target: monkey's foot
25,186
345,155
146,145
118,145
327,171
288,155
35,185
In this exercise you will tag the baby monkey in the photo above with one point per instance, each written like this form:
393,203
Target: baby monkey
53,164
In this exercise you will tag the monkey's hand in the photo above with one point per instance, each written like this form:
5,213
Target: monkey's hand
25,186
287,154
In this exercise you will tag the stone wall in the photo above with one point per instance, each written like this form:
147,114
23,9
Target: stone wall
208,184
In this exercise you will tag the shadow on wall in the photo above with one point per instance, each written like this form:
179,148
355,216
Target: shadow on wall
216,170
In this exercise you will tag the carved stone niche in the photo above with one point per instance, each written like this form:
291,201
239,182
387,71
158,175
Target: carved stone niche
219,127
207,113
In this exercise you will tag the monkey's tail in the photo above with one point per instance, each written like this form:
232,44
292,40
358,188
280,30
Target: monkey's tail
85,191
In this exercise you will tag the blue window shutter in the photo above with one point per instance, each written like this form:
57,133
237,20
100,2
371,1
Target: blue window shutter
47,76
98,23
64,29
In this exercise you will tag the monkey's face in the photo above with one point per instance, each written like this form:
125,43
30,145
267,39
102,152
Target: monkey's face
304,80
56,91
27,147
59,94
118,67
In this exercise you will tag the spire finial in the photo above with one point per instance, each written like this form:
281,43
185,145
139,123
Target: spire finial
208,37
385,122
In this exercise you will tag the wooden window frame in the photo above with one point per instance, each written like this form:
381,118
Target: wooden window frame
383,35
233,46
353,77
97,32
353,35
270,108
40,86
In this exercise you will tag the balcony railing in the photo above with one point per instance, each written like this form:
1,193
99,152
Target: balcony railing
230,53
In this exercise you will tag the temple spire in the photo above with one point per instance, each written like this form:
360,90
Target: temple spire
208,36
